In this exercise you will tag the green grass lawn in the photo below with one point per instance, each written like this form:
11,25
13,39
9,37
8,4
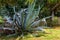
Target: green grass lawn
51,34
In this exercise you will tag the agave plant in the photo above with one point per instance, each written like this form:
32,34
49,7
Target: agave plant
25,18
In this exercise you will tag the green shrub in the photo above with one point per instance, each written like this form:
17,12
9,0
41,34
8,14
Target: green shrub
1,20
55,21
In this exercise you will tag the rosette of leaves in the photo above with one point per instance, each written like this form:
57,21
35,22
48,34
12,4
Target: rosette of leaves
27,18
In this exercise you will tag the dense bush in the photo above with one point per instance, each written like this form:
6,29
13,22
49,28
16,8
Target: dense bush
55,21
1,20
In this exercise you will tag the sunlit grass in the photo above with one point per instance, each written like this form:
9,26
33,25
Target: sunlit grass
51,34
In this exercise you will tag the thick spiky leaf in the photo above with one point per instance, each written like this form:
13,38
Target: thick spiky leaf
32,14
